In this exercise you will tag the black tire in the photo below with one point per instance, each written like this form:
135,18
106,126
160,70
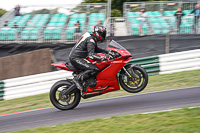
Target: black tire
142,79
53,96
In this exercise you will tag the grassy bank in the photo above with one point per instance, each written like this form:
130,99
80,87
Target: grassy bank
156,83
178,121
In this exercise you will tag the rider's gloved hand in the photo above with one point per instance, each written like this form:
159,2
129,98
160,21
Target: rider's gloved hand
104,59
107,57
111,53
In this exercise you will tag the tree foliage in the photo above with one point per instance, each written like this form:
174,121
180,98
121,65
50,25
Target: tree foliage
116,13
2,12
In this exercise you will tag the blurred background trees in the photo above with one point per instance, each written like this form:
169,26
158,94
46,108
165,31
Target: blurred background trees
2,12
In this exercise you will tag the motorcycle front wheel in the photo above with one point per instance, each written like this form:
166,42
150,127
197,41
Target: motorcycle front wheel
137,82
64,102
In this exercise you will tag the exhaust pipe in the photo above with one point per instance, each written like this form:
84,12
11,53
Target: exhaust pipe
89,95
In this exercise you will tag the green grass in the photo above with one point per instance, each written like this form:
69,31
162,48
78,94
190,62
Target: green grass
156,83
178,121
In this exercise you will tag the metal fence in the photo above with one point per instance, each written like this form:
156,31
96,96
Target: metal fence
67,33
40,34
158,6
117,26
160,17
35,34
155,25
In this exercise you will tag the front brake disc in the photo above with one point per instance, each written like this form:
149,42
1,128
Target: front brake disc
64,98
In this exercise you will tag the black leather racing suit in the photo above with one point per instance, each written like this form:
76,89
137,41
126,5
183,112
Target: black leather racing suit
86,47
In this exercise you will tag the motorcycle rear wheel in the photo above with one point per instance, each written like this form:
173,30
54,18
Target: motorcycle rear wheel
140,79
63,102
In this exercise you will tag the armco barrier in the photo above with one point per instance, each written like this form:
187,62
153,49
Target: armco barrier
1,90
170,63
41,83
149,63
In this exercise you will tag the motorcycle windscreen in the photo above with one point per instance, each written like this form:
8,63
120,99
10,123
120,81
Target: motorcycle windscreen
116,45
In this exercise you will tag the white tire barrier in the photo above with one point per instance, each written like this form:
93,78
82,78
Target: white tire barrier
32,85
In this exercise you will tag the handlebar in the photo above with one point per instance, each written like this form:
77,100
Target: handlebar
106,60
103,61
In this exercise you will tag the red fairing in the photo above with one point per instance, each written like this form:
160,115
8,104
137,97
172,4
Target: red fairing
60,65
107,78
63,66
109,70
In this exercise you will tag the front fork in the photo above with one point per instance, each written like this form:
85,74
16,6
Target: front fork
131,75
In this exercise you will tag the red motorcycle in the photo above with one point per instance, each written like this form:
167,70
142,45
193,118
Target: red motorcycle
113,73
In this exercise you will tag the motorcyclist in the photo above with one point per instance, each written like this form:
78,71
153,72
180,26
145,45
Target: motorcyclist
87,47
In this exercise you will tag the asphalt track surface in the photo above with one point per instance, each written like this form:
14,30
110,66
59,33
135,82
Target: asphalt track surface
103,108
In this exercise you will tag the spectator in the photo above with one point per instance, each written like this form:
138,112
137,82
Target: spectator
17,10
15,25
77,30
196,12
6,23
142,20
99,22
178,15
78,27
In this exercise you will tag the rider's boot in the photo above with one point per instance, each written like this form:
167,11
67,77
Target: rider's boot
83,77
78,83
